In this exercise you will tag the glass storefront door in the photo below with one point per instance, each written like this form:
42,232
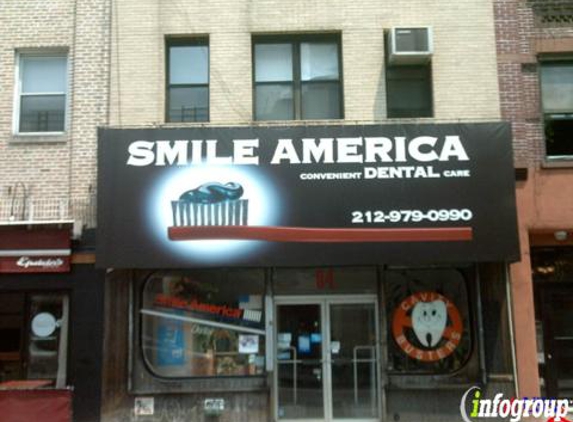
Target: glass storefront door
326,359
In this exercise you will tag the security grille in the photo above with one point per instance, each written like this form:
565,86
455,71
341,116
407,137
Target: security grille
553,13
35,210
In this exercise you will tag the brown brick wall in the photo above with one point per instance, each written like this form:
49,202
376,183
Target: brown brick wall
542,200
520,38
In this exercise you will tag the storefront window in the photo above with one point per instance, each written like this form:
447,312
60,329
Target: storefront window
34,331
429,320
204,323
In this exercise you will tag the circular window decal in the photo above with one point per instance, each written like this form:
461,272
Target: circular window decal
427,326
44,324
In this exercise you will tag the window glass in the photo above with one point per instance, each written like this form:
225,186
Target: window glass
557,102
299,79
188,104
319,61
43,74
187,81
274,102
557,88
42,113
320,100
429,320
558,135
409,91
34,332
42,95
47,313
204,324
189,65
12,315
273,62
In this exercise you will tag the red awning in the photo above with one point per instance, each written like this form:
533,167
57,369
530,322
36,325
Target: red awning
36,405
34,251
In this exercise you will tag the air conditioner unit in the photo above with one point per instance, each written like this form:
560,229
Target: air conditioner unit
410,45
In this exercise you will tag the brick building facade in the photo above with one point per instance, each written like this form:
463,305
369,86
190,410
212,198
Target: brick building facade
534,45
464,77
235,42
54,82
117,57
60,165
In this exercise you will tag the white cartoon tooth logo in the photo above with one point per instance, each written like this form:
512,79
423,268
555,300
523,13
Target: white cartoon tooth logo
429,321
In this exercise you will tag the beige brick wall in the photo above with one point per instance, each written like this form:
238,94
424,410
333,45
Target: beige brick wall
465,81
464,63
55,166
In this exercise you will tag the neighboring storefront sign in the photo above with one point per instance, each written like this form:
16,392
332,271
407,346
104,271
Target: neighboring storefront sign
41,251
34,264
44,324
306,195
427,326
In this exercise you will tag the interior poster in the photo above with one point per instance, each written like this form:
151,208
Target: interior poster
305,195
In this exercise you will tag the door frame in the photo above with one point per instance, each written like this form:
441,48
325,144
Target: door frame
324,301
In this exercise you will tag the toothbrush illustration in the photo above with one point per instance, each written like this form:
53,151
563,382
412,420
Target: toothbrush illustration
217,211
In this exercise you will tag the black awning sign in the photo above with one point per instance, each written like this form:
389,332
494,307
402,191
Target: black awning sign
306,195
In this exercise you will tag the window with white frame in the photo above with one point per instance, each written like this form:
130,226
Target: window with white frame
42,92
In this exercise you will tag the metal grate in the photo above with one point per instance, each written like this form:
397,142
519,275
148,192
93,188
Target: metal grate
557,19
553,13
32,210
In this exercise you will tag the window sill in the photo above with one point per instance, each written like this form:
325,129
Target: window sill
148,384
434,381
297,122
557,163
39,138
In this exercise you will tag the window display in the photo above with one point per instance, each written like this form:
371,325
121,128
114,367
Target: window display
34,330
204,323
429,320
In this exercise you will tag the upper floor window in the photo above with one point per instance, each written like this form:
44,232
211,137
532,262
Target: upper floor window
557,103
297,78
409,72
409,91
42,92
187,81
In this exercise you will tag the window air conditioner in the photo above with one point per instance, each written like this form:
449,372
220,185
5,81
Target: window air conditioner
410,45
